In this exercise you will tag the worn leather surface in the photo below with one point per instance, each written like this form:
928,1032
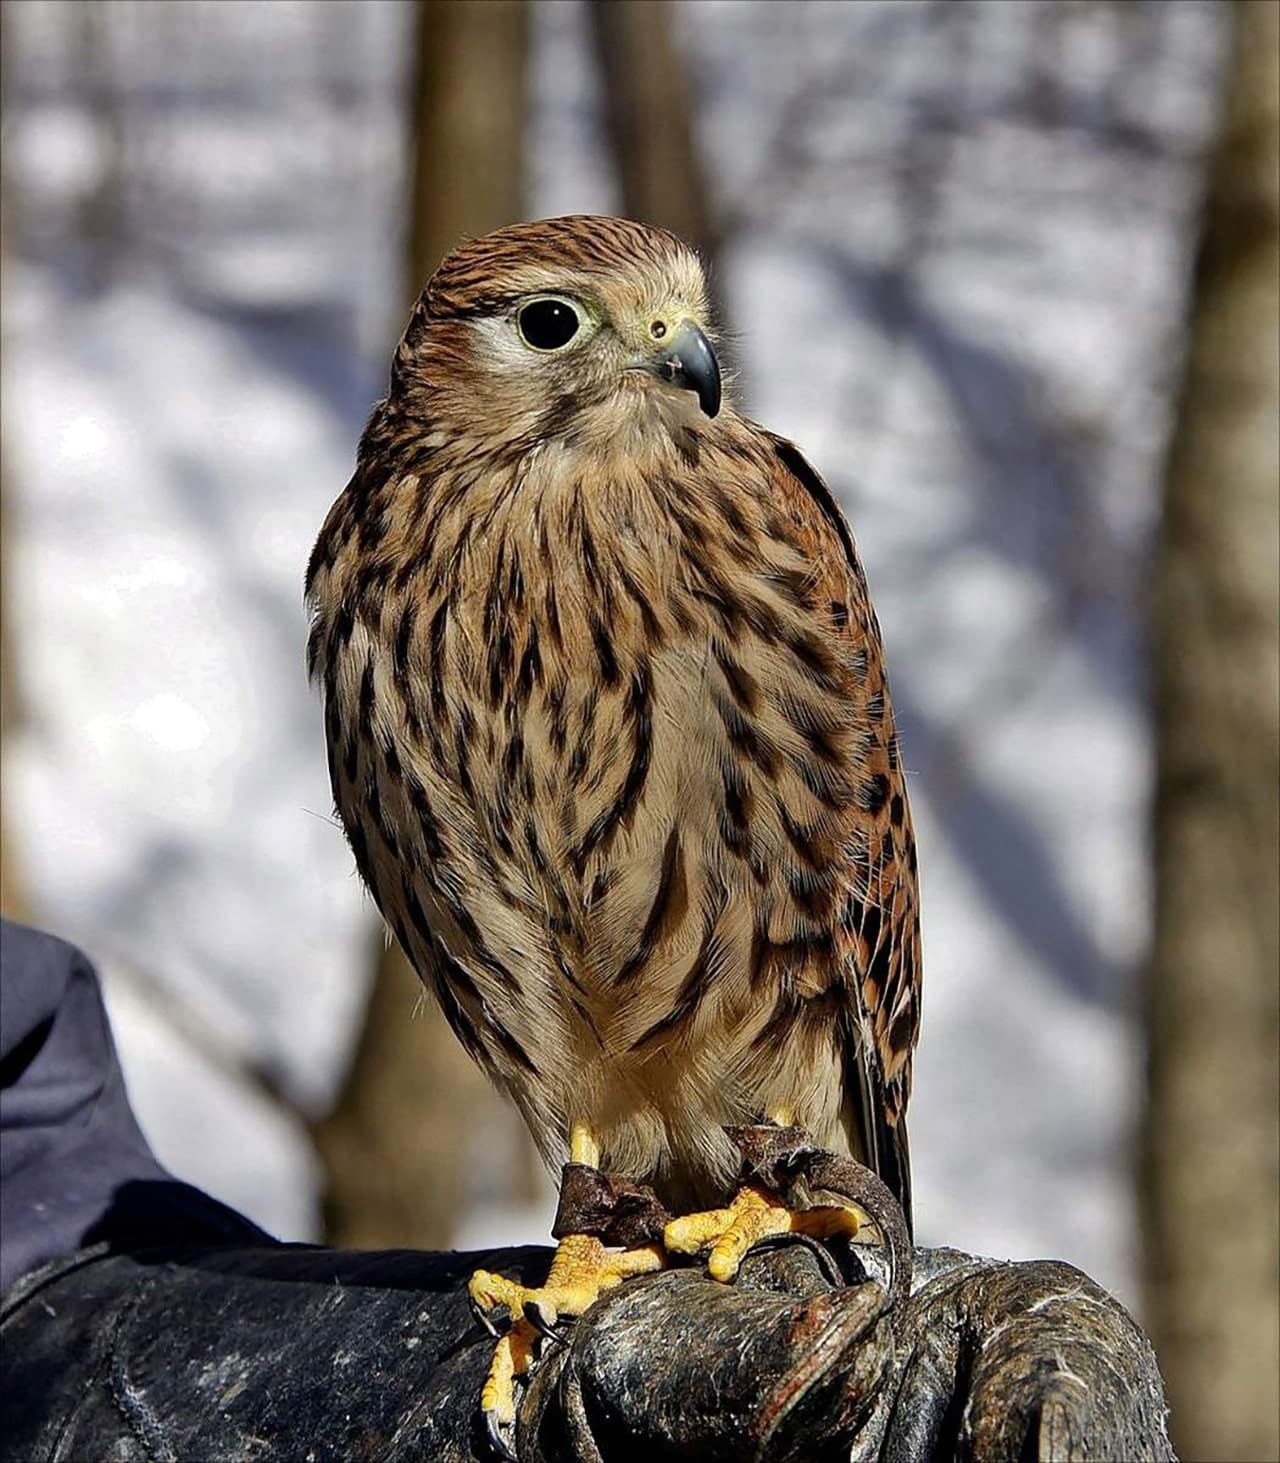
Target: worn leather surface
287,1352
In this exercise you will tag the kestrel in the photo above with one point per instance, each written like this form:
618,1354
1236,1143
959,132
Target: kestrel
610,736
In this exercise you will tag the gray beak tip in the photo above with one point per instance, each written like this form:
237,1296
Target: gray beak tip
690,361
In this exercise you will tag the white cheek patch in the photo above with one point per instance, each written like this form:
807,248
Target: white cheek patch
499,345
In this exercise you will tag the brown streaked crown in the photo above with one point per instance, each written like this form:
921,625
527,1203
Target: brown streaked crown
487,273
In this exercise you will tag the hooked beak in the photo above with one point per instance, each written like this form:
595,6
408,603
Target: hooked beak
689,361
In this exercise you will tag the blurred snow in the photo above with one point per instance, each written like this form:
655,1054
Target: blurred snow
959,244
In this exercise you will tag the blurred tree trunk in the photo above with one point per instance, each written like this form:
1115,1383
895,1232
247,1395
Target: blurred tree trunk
1211,1180
395,1143
13,900
469,125
103,222
650,120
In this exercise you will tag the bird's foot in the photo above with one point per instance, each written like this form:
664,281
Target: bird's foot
582,1270
755,1213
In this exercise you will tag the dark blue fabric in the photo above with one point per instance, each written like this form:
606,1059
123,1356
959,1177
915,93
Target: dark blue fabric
74,1166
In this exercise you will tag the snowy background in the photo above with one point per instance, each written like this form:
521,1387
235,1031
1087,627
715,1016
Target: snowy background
976,218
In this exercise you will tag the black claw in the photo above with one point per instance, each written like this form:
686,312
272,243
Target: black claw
533,1314
826,1260
497,1328
499,1444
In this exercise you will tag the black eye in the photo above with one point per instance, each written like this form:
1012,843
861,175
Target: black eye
548,324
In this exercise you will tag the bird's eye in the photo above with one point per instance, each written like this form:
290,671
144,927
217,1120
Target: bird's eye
547,325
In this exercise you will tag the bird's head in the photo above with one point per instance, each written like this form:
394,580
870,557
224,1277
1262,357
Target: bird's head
554,325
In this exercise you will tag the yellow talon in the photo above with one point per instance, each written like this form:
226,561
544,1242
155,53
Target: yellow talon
512,1357
754,1214
581,1271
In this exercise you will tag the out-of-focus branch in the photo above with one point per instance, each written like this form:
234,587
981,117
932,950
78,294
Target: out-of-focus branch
393,1146
1212,1133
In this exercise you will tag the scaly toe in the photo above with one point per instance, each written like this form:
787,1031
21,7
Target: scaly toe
512,1357
581,1270
754,1214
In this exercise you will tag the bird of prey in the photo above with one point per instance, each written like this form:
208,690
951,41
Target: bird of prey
610,736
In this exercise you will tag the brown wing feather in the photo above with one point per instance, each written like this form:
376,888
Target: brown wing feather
880,932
